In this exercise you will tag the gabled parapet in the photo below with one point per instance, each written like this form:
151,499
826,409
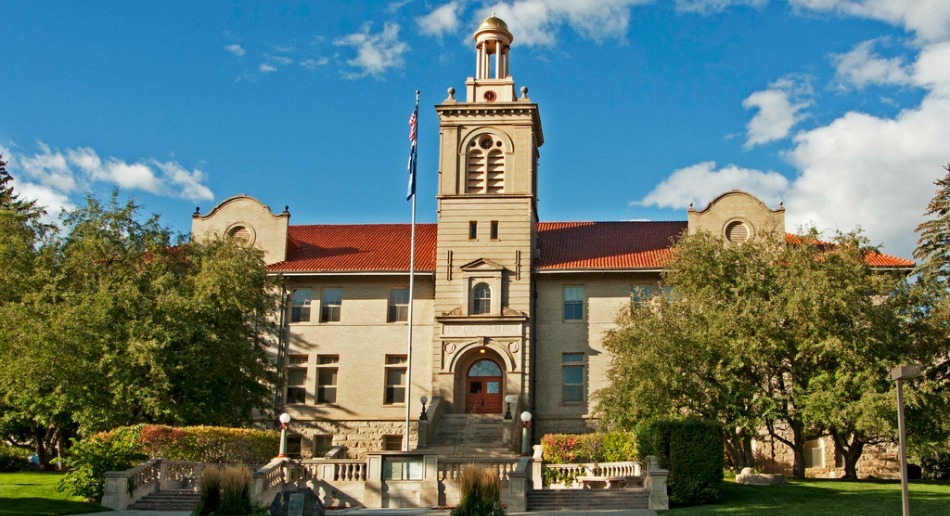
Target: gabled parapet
247,218
737,217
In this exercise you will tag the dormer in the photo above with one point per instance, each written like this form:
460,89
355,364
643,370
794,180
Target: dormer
248,219
737,217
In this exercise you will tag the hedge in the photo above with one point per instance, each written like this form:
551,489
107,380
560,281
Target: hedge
692,450
123,447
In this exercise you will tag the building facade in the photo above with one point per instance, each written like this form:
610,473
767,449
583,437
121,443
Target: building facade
506,307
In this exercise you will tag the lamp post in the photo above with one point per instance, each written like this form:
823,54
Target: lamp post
525,437
508,399
284,419
424,416
898,374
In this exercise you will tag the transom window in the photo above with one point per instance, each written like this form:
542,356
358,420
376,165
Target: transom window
395,379
398,305
481,299
485,368
573,303
300,308
572,377
330,304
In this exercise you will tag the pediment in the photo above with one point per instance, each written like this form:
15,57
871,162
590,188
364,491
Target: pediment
482,265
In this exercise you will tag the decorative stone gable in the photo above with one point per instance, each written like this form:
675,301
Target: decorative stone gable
248,219
738,217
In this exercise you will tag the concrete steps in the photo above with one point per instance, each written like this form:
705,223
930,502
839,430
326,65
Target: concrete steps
481,435
588,499
168,500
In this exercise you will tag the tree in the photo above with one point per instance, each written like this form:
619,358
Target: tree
930,318
129,325
796,336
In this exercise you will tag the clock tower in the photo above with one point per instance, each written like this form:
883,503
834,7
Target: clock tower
487,232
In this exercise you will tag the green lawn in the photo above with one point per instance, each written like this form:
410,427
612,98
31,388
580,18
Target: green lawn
828,497
35,493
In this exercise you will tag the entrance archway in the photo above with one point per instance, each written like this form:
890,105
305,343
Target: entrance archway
483,388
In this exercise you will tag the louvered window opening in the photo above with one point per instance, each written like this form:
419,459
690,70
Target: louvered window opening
737,233
485,167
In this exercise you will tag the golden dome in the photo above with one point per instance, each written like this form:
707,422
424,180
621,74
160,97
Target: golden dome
492,22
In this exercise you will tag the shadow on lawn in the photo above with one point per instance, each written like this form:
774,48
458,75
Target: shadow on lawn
36,506
816,497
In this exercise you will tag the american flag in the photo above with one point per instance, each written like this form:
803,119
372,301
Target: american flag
412,152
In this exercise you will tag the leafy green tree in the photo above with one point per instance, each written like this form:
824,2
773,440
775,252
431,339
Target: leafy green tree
130,325
796,336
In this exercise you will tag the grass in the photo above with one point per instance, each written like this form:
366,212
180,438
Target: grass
35,493
828,497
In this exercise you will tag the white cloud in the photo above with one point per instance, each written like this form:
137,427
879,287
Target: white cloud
313,64
266,68
779,109
862,67
714,6
236,49
536,22
377,53
701,183
442,20
929,19
284,60
52,176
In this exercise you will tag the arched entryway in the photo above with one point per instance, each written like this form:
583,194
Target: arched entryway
483,388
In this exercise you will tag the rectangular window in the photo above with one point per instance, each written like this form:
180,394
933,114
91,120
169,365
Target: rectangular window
398,305
494,230
322,445
395,379
814,458
330,304
297,385
392,442
573,303
327,378
572,377
472,230
297,359
641,295
300,307
294,446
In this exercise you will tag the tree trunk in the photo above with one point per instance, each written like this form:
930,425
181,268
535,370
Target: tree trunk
739,449
850,450
798,449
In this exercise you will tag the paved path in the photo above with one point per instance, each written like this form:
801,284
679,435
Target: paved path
392,512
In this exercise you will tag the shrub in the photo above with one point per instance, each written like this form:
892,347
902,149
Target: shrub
936,465
481,493
13,460
692,450
224,491
596,447
89,460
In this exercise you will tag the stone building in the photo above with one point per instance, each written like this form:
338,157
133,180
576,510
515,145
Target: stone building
505,305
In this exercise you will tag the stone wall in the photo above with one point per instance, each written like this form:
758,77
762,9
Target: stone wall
877,461
359,437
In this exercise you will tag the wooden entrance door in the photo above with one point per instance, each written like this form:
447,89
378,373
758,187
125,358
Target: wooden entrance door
483,388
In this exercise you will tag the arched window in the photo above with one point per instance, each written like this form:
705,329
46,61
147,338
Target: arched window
485,166
481,299
485,368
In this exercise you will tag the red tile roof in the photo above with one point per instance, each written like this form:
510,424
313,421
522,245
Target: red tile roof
873,259
606,245
564,246
357,248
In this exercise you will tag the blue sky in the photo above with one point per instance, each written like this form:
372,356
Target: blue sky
840,109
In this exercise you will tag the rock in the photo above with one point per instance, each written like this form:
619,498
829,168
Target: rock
747,471
762,479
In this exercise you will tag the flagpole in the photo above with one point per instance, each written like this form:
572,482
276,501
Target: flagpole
412,267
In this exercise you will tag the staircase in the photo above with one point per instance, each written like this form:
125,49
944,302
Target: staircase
588,499
168,500
464,435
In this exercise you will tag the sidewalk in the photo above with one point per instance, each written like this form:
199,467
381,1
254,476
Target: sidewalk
393,512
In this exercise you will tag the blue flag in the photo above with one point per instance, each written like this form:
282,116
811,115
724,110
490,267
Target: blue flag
412,153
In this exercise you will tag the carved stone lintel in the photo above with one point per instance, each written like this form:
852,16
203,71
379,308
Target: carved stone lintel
455,311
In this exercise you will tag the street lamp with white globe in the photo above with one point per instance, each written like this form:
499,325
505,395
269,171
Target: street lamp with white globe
525,437
284,420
